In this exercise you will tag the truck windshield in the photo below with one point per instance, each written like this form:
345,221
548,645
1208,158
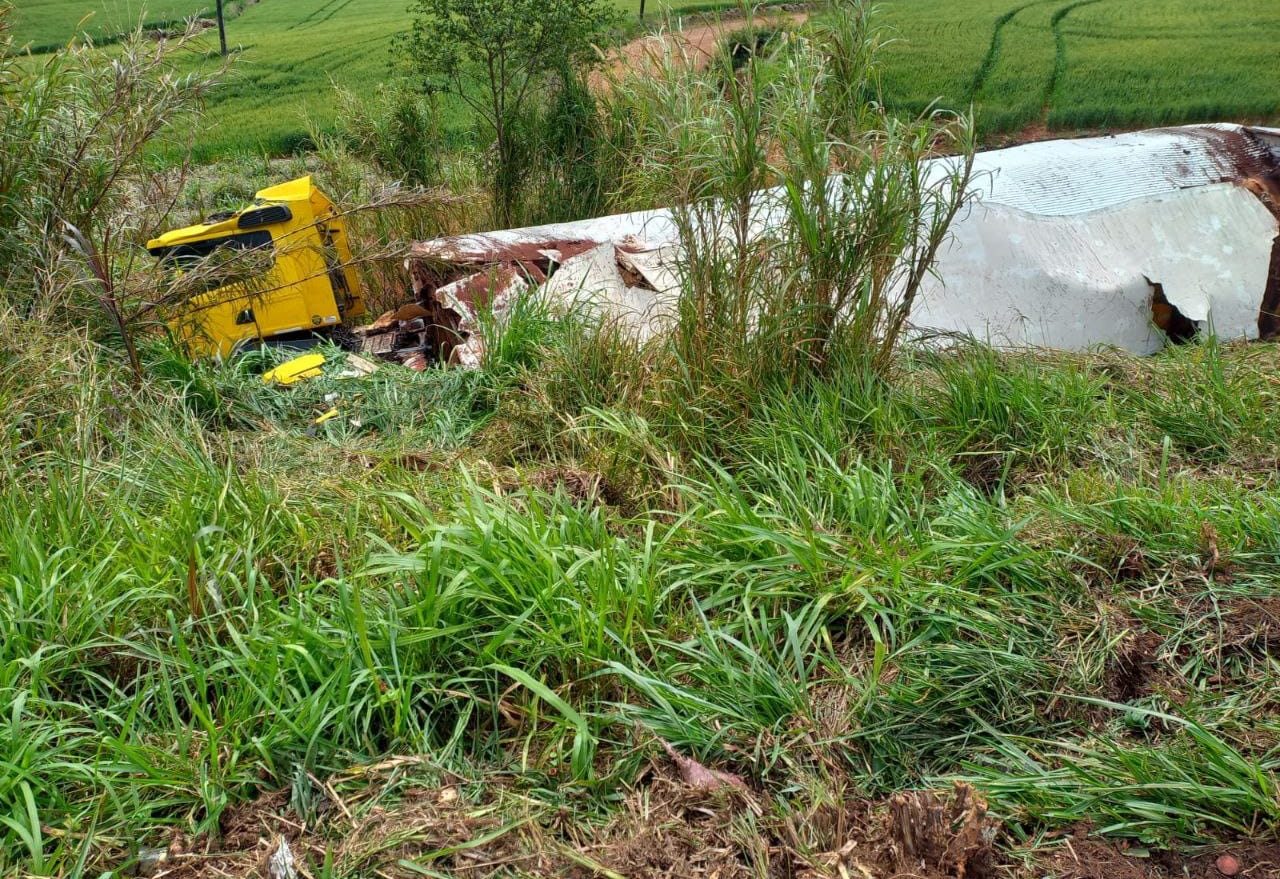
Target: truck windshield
191,254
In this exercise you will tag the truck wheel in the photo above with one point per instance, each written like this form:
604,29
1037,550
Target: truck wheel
344,338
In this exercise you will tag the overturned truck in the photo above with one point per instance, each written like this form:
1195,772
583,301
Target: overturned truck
1132,241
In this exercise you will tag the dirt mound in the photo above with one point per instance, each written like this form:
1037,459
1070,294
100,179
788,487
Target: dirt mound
697,43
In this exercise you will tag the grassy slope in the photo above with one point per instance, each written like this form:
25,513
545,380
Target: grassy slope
446,629
1061,62
871,589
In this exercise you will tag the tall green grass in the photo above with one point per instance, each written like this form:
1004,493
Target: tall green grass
838,573
193,614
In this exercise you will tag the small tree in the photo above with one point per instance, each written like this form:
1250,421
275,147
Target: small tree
502,58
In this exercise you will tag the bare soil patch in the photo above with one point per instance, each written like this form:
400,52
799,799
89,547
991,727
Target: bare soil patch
1237,631
695,44
1252,625
585,487
667,826
1082,858
1132,671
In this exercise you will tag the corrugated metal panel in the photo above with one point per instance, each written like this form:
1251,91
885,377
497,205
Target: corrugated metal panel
1078,280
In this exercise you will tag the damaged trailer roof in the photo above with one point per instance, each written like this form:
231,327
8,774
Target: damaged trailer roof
1069,243
1066,244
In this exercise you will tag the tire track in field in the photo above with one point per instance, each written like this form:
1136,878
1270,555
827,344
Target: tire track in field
993,50
312,14
1059,53
332,12
346,47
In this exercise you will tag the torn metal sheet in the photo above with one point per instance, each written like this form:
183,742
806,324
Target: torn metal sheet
590,279
1125,241
1016,279
1078,243
445,326
610,281
658,269
494,288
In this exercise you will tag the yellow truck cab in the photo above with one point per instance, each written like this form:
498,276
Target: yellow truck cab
306,287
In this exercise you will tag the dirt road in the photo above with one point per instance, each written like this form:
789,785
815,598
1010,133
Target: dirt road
695,44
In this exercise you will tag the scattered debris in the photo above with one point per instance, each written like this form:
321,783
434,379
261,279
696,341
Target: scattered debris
1132,240
152,860
280,865
699,777
358,367
293,371
444,327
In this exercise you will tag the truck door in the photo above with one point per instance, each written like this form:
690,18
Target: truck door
333,266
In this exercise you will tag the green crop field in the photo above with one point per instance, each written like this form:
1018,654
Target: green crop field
46,24
1086,63
1062,63
289,53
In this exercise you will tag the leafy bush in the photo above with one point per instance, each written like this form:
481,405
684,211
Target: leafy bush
396,128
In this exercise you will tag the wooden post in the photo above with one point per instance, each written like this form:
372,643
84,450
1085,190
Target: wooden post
222,29
642,10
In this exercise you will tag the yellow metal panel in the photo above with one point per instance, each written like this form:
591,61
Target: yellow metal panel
198,232
290,191
298,294
295,370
